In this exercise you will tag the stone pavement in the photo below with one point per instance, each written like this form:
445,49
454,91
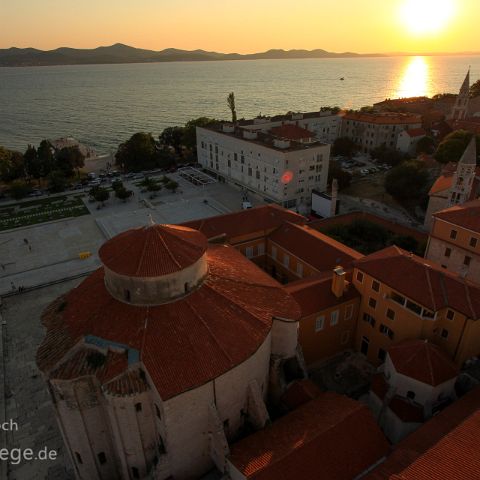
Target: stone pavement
26,396
42,253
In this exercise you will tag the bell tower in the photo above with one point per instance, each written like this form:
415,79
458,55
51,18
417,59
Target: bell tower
463,178
460,109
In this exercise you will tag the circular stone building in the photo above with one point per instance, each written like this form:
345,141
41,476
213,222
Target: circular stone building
164,354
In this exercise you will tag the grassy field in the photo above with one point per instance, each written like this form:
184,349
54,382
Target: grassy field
40,211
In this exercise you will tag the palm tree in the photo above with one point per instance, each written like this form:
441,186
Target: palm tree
231,106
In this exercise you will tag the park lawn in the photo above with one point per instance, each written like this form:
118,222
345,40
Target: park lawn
41,211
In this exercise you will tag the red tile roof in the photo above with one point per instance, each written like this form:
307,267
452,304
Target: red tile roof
466,215
329,438
300,392
153,251
445,447
384,118
405,410
260,219
422,361
313,247
183,344
292,132
379,385
423,281
83,363
416,132
314,294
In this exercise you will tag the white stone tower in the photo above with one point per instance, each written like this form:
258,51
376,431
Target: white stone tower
463,178
460,109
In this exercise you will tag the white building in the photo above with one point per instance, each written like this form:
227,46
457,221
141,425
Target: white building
162,356
417,381
408,139
281,160
372,130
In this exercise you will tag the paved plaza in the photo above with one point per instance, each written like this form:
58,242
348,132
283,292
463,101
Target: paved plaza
27,401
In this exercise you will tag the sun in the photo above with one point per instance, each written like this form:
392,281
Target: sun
425,17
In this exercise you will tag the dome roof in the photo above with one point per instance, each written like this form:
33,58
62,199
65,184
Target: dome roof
184,343
153,251
423,361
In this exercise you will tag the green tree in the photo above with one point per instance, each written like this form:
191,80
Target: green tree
231,106
475,89
344,146
172,186
19,189
45,157
11,165
33,166
190,131
117,185
69,159
57,181
101,195
425,145
407,182
453,145
173,137
123,194
387,155
343,177
138,153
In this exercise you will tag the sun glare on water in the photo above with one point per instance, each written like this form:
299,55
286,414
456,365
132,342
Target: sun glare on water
424,17
414,81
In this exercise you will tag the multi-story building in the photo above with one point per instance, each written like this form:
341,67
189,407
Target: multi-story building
406,297
454,240
460,109
282,163
371,130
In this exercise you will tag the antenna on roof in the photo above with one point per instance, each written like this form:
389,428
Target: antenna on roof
151,220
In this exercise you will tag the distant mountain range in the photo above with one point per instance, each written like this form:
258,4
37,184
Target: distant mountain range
120,53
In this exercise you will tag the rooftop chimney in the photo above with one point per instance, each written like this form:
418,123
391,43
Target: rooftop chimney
339,283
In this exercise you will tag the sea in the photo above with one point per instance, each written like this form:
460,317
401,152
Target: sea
103,105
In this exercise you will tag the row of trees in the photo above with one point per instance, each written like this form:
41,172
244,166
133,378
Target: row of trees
143,152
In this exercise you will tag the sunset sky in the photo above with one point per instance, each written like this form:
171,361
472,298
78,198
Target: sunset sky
245,26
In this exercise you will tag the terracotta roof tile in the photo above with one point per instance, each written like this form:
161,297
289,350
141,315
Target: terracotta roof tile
422,281
330,437
84,362
416,132
300,392
182,344
153,251
422,361
313,247
131,382
384,118
292,132
445,447
260,219
314,294
466,215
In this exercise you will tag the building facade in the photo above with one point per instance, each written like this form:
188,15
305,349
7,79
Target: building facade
282,164
454,240
372,130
